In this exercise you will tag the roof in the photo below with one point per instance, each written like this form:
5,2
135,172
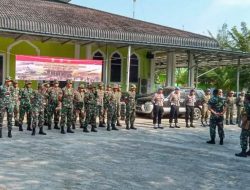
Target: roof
66,20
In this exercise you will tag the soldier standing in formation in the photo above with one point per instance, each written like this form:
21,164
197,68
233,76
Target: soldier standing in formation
16,102
54,93
38,103
217,107
230,108
174,109
205,113
245,129
25,106
189,115
118,94
46,86
130,107
67,106
79,106
90,100
240,106
100,104
6,105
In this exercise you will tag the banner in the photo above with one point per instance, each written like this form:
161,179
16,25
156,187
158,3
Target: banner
51,68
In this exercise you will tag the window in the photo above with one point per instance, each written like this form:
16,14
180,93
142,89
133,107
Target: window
98,56
133,73
115,68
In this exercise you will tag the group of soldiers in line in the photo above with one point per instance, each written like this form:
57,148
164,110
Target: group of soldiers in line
65,105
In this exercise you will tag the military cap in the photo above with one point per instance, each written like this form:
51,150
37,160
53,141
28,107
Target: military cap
40,85
115,86
231,92
55,82
15,81
100,84
243,92
160,88
132,86
28,82
109,86
69,81
46,82
8,79
90,86
177,88
208,90
81,86
192,90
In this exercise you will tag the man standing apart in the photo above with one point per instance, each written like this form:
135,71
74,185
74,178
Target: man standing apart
217,107
6,105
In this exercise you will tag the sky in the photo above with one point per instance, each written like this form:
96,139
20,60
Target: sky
196,16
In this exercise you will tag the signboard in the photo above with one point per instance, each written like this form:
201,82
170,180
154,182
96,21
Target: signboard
51,68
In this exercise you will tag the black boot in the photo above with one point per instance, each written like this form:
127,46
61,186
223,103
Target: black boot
242,153
171,126
62,130
108,127
45,123
101,124
231,122
118,124
192,125
49,126
177,126
56,126
69,130
81,126
127,127
132,127
41,131
221,141
203,124
227,122
187,126
9,134
33,131
212,141
16,123
73,126
20,127
93,128
85,130
248,152
1,135
114,128
29,128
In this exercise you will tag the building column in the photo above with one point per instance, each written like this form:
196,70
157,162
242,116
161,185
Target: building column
89,51
105,66
128,68
238,78
171,67
191,67
77,51
151,85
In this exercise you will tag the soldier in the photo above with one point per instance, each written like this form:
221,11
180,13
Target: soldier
66,99
16,102
38,103
130,107
46,86
217,107
90,100
111,109
122,105
240,105
230,108
100,108
6,105
190,101
174,100
158,100
118,94
53,104
79,106
245,128
205,113
25,106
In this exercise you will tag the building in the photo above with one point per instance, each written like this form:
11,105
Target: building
131,49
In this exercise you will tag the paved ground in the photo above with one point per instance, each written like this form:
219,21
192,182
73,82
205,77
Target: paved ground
126,160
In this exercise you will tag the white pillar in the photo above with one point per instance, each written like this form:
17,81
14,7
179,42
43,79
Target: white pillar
128,68
171,67
89,51
191,67
238,77
77,51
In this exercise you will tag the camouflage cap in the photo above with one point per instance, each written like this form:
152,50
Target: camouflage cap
15,82
40,85
69,81
46,82
109,86
100,84
55,82
8,79
132,86
81,86
115,86
90,86
28,82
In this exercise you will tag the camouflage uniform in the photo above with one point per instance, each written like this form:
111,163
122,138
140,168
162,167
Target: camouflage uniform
16,102
216,105
118,95
46,86
79,106
25,106
90,100
38,102
100,105
67,107
230,108
130,107
240,106
205,113
54,105
6,105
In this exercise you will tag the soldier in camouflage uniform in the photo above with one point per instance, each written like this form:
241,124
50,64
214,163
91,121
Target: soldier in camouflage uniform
122,105
240,105
16,102
38,102
118,95
205,113
46,86
100,104
6,105
217,107
54,93
67,106
130,107
245,129
79,106
230,108
90,100
25,106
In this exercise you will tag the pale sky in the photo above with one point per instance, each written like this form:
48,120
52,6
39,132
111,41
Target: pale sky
192,15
